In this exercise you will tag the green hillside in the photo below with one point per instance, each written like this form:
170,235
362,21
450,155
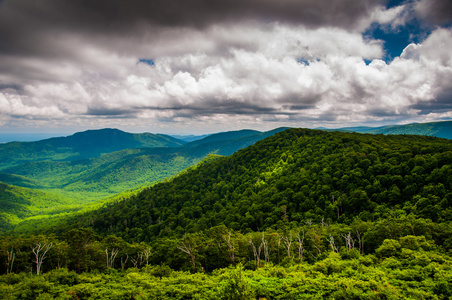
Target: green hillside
302,214
88,180
437,129
122,170
295,176
101,177
82,145
18,203
227,143
223,136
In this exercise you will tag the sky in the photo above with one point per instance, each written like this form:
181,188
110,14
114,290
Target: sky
204,66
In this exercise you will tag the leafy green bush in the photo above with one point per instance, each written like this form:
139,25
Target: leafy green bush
235,286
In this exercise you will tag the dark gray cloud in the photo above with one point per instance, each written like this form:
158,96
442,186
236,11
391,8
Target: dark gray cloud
436,12
199,63
28,26
114,15
10,87
212,107
102,111
441,104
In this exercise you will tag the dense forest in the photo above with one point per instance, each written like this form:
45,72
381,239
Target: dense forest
302,214
293,177
59,182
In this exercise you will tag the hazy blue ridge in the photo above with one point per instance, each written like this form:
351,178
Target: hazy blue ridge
436,129
81,145
223,136
189,138
25,137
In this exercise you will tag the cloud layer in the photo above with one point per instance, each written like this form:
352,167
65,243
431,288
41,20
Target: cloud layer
217,65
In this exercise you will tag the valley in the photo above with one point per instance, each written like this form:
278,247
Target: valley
94,166
285,214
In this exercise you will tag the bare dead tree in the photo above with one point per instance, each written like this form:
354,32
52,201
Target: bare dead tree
332,244
256,253
265,245
124,262
230,245
287,243
253,247
10,260
147,253
137,261
40,251
111,258
300,246
360,242
259,253
349,242
186,247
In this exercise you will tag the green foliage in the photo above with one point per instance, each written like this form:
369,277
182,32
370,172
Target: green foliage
100,176
236,287
19,203
303,214
294,177
158,270
347,279
389,248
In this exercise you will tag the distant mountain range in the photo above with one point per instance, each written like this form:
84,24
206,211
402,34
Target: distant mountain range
436,129
25,137
190,138
81,145
96,164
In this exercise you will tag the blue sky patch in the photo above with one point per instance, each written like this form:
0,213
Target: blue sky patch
147,61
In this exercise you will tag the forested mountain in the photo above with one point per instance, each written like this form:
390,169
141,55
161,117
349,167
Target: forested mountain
302,214
122,170
87,180
103,176
295,176
224,136
81,145
437,129
227,143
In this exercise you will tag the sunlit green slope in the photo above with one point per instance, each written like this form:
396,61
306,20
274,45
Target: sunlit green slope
295,176
121,170
88,180
18,203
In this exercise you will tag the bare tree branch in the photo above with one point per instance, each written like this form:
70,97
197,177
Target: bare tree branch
40,251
